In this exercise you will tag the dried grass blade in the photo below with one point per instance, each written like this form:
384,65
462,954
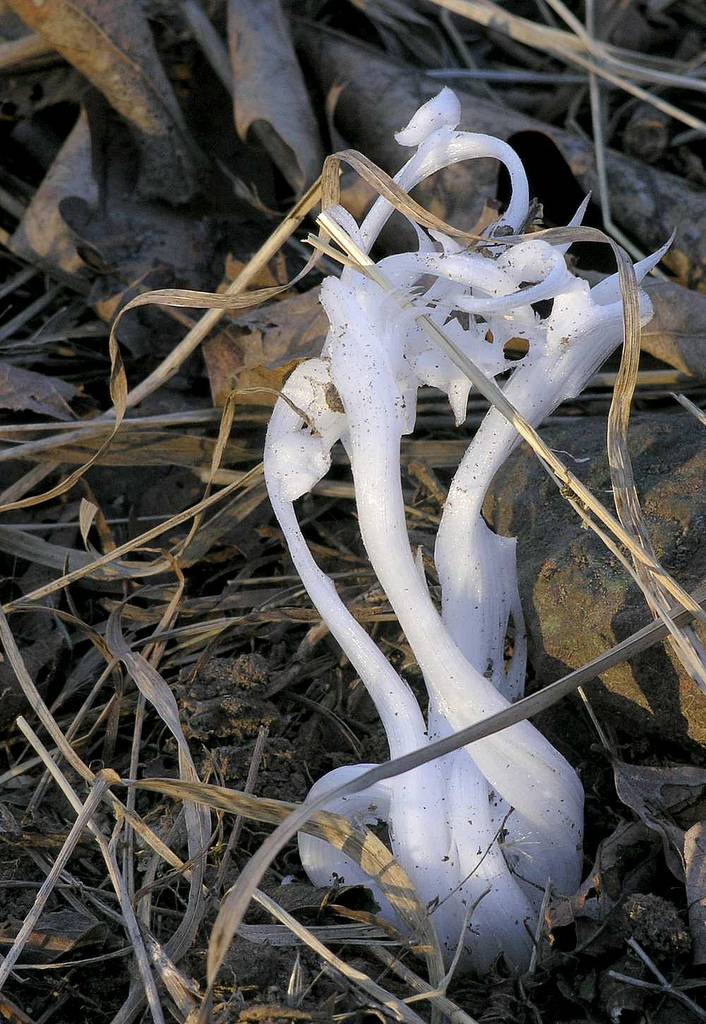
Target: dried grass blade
359,843
216,305
73,444
450,1010
154,689
27,481
55,556
183,990
153,653
386,187
250,479
250,783
108,777
169,366
84,816
627,502
394,1006
572,49
16,662
224,430
691,407
118,395
197,820
153,448
523,30
173,947
37,703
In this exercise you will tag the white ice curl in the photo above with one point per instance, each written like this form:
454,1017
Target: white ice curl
452,823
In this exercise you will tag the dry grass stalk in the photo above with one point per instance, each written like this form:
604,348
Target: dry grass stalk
572,48
250,783
85,814
360,843
446,1006
396,1008
160,564
169,366
690,407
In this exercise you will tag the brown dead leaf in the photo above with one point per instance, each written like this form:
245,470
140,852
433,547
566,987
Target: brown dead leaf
677,332
131,243
57,935
263,383
270,96
223,364
265,346
657,795
43,237
25,390
666,800
269,276
111,44
623,865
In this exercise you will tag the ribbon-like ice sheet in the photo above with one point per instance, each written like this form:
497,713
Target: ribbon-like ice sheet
482,832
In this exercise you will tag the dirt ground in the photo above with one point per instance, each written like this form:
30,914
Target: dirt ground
153,625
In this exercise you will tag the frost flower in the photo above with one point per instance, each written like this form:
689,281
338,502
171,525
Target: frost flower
483,831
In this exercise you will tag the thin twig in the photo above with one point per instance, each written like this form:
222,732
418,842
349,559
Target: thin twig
105,778
250,783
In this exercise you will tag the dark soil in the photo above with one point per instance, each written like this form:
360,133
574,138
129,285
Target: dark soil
266,701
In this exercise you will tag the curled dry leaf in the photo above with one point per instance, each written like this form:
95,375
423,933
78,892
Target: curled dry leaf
88,511
34,392
270,96
657,796
133,243
623,864
111,44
